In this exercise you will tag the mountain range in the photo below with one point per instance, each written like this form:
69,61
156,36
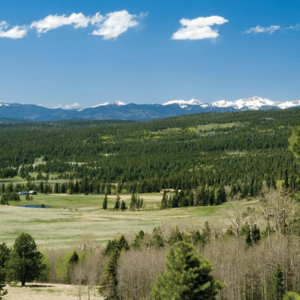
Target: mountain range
139,112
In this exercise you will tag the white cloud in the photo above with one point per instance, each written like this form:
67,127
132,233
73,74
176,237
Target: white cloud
259,29
3,24
109,26
16,32
52,22
199,28
97,18
296,27
116,23
72,105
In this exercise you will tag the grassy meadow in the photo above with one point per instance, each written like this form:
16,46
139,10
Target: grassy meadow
72,216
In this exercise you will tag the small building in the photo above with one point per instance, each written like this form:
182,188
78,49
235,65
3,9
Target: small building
167,191
30,193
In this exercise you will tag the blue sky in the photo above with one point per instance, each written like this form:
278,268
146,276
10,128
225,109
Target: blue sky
81,53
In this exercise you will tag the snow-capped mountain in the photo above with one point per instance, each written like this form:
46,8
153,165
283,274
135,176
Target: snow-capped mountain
253,103
3,103
184,103
119,103
284,105
121,111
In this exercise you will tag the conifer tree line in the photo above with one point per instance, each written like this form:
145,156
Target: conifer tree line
208,193
202,197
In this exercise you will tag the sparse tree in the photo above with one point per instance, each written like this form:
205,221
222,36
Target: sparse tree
85,272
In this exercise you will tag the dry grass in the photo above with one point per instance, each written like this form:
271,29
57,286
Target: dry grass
60,227
49,291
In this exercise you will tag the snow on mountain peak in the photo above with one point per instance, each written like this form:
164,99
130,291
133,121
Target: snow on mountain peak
2,103
288,104
222,103
119,103
252,103
183,103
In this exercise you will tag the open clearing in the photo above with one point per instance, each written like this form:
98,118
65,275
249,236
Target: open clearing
48,291
73,216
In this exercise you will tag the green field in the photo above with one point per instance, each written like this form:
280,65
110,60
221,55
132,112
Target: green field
73,216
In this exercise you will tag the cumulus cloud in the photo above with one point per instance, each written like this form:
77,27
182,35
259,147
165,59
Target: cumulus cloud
69,106
199,28
109,26
16,32
52,22
116,23
259,29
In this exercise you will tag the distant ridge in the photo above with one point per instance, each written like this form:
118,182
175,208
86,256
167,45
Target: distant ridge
139,112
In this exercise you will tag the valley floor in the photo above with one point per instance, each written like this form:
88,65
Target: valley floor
75,216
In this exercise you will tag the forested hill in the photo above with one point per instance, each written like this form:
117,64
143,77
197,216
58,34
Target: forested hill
236,148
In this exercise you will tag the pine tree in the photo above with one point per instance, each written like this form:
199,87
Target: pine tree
277,289
25,262
138,238
138,203
118,203
104,205
133,202
123,205
142,203
4,200
71,264
4,256
176,236
108,286
187,276
163,204
223,195
286,179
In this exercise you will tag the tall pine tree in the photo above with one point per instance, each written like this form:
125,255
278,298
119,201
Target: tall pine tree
187,276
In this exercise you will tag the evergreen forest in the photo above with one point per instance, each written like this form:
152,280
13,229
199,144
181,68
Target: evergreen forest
241,150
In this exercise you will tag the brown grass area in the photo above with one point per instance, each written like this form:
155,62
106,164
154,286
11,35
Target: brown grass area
48,291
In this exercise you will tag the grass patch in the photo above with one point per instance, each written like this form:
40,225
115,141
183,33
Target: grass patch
209,127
